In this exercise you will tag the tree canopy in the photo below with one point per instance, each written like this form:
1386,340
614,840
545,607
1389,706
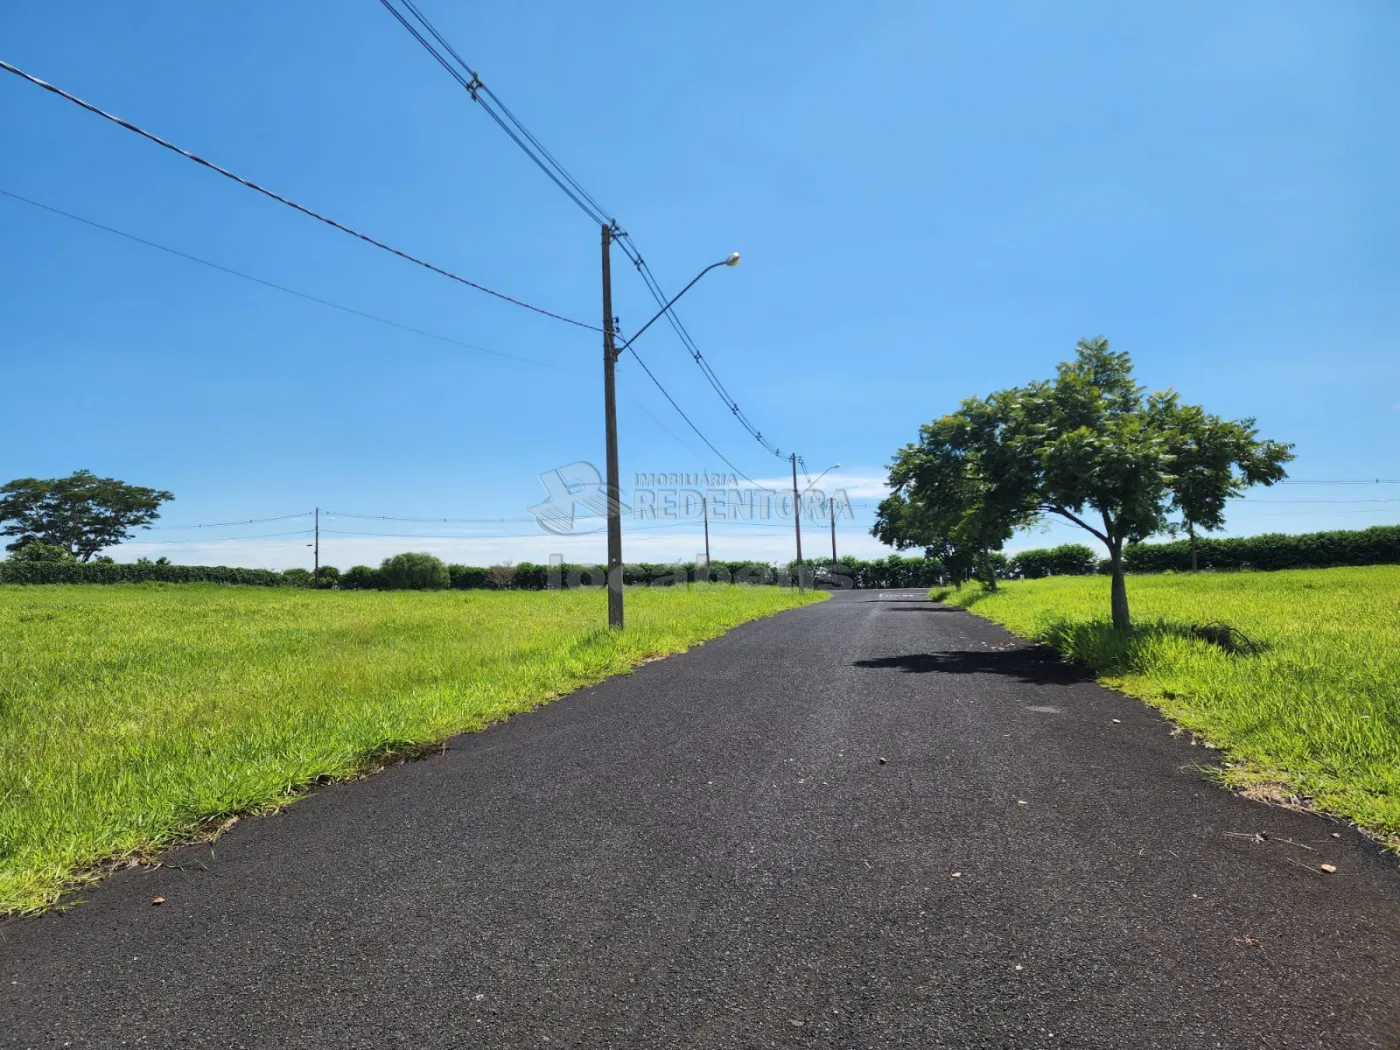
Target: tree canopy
1090,446
81,513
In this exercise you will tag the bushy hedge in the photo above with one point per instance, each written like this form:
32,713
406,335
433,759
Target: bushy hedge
414,572
879,573
1068,559
1314,550
13,571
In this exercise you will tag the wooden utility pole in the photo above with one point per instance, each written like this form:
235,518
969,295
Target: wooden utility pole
797,522
831,513
316,571
610,412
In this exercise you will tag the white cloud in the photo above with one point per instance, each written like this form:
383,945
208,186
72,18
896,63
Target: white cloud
774,542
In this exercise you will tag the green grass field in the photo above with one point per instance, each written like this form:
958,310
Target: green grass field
132,716
1315,715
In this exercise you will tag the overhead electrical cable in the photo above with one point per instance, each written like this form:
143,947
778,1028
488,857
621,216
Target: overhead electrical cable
531,146
289,203
283,288
226,524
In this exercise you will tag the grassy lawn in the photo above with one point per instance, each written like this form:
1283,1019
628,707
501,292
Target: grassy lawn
1316,713
134,715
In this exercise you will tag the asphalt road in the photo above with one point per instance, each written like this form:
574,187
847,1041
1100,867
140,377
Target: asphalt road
869,823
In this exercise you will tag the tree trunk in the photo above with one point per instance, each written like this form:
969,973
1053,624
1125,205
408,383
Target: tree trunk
1121,620
989,574
1191,531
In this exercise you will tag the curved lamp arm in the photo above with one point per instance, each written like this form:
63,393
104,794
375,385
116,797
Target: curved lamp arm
733,260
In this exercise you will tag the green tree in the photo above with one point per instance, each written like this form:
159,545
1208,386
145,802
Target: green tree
414,572
955,493
330,576
903,524
38,551
1206,448
81,513
1090,446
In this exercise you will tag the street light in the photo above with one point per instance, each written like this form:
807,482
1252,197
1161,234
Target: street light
732,260
828,470
610,355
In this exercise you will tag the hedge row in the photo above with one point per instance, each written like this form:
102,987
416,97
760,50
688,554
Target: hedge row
879,573
13,571
1314,550
1068,559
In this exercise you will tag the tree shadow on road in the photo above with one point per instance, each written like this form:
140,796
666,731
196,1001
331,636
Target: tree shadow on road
918,607
1034,665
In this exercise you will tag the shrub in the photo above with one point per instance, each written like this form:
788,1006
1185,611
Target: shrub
297,577
330,576
466,577
413,572
1069,559
359,578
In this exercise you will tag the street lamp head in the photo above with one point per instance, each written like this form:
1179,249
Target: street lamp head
733,259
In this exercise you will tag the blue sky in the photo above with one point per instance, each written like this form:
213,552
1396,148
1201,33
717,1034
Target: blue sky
932,200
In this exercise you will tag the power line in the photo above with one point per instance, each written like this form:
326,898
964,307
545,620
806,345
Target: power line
1349,481
225,524
531,146
374,317
1249,502
508,123
222,539
426,521
149,136
688,420
281,287
630,249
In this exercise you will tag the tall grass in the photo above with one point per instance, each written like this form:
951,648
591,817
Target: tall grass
1316,712
132,715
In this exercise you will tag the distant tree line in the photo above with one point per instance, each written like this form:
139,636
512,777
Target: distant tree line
1317,550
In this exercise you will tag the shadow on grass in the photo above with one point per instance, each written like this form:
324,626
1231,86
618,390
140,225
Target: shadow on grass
1096,644
964,599
1070,651
1036,665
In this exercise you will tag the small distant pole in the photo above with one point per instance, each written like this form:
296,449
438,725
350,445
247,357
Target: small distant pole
831,513
797,523
705,503
316,572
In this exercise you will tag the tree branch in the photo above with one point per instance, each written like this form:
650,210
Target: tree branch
1078,521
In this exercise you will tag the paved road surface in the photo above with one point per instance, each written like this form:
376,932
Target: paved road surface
710,853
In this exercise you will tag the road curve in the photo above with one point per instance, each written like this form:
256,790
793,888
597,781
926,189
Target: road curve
874,822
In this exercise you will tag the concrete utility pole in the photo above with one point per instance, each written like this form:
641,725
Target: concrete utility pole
316,572
614,494
705,504
611,352
831,513
797,523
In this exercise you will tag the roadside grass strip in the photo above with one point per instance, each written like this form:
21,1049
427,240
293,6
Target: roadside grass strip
134,716
1301,694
